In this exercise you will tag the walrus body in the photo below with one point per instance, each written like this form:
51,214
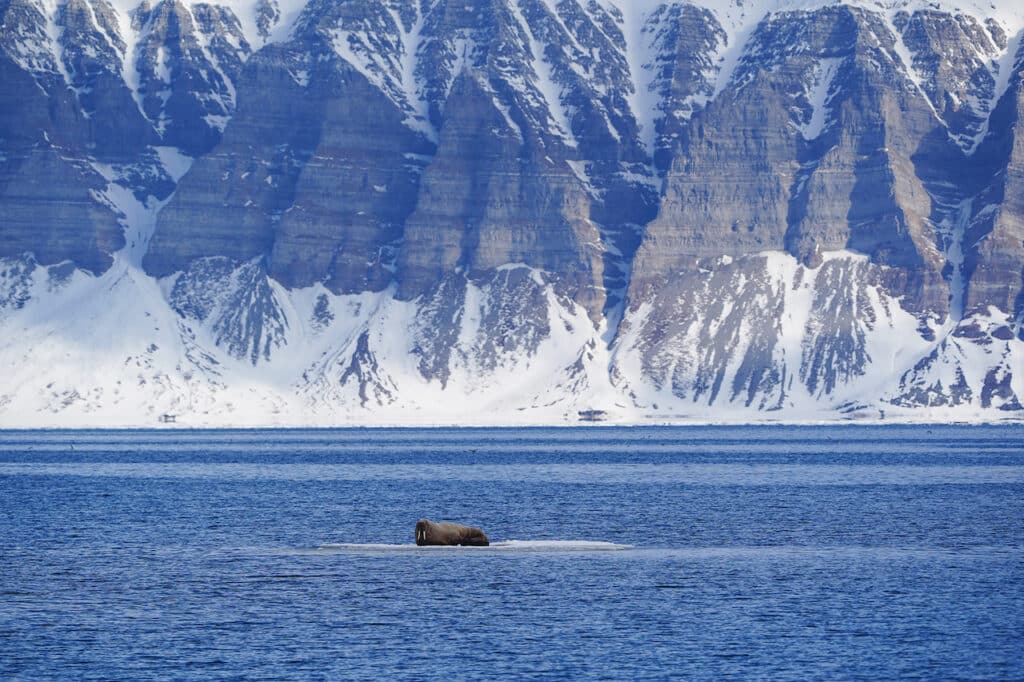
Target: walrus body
450,534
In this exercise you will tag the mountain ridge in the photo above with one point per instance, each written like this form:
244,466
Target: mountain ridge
337,213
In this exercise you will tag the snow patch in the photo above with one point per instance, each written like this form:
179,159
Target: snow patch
641,55
544,81
1003,70
393,69
411,43
820,95
174,161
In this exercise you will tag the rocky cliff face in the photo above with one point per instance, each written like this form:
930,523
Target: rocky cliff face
512,210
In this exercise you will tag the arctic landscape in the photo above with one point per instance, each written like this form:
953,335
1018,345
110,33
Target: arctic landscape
510,211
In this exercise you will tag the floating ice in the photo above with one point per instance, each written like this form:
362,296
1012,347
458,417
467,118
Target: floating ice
506,546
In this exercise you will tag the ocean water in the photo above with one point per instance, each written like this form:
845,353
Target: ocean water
645,553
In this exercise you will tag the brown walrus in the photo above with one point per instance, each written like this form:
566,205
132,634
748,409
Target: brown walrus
446,533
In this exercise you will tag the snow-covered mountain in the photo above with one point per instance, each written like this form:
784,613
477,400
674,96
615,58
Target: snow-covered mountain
510,211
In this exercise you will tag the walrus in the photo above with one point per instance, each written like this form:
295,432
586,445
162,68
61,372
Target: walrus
450,534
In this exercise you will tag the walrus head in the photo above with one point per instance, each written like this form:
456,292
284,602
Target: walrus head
422,527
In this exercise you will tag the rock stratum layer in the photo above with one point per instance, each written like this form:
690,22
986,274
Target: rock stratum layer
510,211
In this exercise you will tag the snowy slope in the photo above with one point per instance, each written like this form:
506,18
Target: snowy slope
69,360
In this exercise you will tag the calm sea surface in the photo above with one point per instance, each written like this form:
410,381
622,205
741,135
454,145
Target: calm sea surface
773,552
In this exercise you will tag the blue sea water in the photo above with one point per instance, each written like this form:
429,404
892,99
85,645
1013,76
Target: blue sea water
768,552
